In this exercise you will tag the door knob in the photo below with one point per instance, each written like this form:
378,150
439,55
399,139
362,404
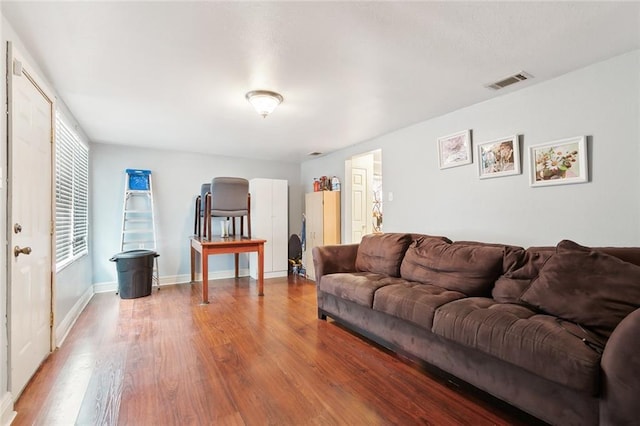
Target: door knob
17,228
24,250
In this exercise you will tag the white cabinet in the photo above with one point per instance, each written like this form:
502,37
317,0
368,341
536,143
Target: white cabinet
270,221
322,212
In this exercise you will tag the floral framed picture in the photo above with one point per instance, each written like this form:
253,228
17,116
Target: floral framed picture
500,157
559,162
455,150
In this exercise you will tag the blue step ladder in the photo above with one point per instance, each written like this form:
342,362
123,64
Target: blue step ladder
138,216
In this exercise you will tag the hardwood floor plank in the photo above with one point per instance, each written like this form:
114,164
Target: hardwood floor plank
64,404
101,403
241,360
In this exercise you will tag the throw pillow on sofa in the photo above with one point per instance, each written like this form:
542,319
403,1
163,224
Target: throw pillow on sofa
382,253
470,269
587,287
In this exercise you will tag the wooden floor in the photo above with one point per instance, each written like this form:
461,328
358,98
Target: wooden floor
242,360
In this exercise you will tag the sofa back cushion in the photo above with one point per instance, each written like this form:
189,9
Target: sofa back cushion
470,268
586,286
510,286
416,237
511,255
626,254
382,253
516,280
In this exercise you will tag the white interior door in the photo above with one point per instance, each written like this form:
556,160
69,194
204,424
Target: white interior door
30,135
359,210
362,196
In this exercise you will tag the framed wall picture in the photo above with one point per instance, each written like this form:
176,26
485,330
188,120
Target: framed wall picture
500,157
455,150
559,162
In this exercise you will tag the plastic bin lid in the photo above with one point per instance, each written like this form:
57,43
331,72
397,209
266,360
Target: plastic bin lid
131,254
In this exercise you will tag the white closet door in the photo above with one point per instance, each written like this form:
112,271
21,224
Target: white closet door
269,221
280,226
314,202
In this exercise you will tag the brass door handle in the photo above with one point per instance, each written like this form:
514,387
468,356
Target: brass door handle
24,250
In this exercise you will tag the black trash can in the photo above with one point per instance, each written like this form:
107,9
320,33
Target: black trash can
135,272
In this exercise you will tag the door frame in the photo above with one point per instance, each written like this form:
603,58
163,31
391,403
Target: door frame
347,188
16,64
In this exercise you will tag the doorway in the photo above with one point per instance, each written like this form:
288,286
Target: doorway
363,195
29,220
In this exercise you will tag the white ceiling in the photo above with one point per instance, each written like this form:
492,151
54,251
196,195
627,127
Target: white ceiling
173,75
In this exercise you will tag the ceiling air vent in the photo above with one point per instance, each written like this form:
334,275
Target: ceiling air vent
508,81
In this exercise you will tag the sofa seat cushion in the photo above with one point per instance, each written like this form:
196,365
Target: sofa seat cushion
357,287
382,253
519,336
411,301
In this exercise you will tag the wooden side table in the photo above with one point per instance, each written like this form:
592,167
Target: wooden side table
230,245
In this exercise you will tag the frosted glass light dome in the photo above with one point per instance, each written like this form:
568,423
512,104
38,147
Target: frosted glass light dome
264,101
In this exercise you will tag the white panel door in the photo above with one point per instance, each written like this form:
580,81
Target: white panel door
269,220
30,219
280,218
314,212
261,190
359,206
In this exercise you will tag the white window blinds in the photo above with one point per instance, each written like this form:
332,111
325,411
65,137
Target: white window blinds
72,193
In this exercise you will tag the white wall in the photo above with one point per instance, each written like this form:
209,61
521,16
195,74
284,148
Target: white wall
601,101
176,178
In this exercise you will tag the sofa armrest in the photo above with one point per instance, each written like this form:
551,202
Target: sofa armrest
334,259
621,374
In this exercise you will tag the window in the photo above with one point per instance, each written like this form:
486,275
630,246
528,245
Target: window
72,194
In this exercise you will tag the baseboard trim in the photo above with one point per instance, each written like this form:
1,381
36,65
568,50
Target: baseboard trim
63,329
107,287
267,275
6,409
219,275
112,286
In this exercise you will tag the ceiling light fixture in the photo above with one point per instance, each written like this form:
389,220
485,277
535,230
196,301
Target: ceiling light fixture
264,101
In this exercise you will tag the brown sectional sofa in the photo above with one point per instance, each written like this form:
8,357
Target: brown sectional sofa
553,331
